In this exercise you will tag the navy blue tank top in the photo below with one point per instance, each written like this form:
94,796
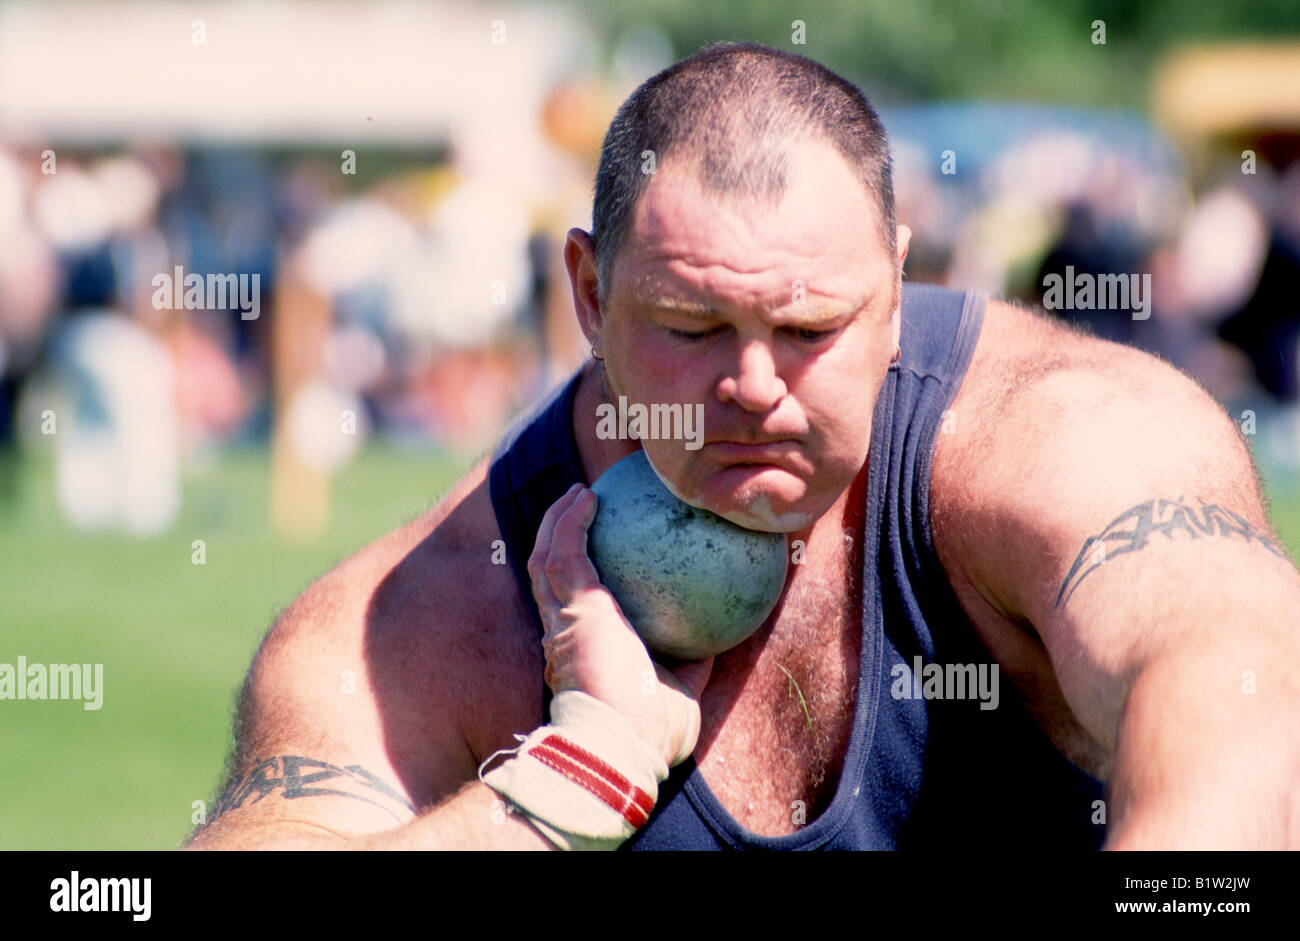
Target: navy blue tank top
920,773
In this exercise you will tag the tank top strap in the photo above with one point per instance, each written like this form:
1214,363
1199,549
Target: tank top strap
533,466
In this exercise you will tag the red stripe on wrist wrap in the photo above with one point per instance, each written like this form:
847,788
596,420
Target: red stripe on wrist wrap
588,771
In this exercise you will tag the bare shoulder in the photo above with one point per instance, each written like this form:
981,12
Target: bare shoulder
1018,349
1055,436
403,662
1056,429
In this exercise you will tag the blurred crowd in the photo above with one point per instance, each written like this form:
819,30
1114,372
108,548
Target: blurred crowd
429,302
414,305
1222,255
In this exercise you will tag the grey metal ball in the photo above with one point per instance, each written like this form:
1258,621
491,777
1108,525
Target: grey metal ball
691,583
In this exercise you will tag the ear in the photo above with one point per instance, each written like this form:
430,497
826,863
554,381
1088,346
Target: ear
580,261
903,236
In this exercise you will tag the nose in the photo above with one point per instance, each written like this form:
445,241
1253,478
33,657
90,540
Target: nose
755,385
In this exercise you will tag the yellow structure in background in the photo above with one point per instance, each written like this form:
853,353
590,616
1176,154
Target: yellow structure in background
1228,89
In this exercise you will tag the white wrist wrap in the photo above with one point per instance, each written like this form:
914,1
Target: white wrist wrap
587,780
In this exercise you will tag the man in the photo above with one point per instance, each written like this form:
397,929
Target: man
971,494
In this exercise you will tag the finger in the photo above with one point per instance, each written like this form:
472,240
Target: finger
542,592
546,531
568,567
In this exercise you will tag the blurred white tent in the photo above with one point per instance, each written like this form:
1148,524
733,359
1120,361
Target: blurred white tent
325,76
351,74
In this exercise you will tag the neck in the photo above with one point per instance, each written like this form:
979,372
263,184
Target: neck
835,538
595,454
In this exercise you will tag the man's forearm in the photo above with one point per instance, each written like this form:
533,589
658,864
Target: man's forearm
1208,748
474,818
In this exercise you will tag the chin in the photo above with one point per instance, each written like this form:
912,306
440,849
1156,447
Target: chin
759,515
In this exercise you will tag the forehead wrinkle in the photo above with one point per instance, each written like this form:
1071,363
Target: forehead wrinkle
665,222
674,283
666,271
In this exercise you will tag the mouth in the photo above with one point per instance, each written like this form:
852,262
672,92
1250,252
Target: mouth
784,453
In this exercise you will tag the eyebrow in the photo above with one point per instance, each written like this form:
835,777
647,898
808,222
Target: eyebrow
813,313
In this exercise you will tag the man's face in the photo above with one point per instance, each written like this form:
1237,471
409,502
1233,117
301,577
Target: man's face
780,319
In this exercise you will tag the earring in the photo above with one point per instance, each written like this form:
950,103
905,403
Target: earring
594,355
898,354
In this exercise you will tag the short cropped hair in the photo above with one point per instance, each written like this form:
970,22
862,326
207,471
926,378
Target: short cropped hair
736,110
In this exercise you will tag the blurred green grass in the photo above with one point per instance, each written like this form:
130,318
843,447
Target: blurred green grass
175,638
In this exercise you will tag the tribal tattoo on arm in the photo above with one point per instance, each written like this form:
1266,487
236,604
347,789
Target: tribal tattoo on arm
293,776
1132,530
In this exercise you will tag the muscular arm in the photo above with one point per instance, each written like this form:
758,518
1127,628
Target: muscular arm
373,700
472,818
1113,508
353,730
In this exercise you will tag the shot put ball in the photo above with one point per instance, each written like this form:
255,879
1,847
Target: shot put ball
691,583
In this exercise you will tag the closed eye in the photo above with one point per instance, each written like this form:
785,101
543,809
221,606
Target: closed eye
805,335
690,334
812,336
